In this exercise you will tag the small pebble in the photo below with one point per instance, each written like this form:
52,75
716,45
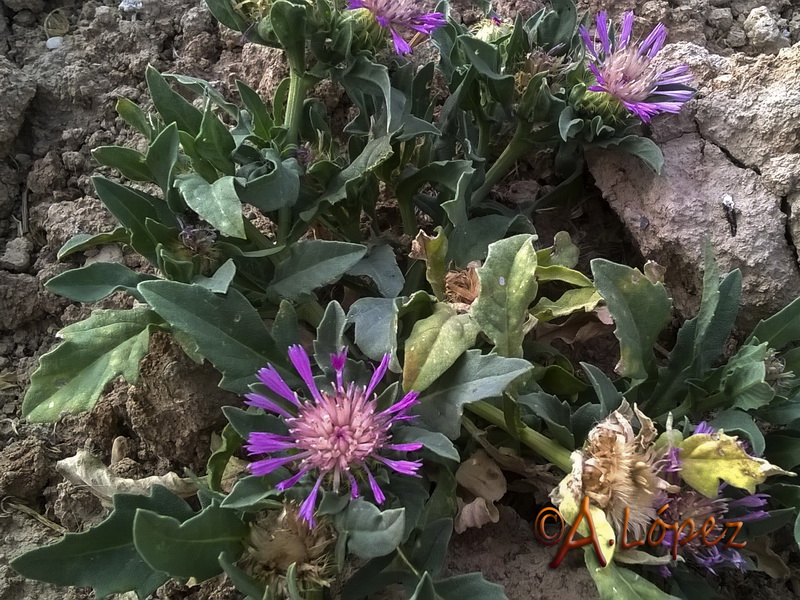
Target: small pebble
54,42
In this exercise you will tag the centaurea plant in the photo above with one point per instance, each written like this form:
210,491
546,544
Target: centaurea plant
334,434
626,72
396,15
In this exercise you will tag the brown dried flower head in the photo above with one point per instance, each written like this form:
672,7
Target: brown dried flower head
619,469
279,539
462,286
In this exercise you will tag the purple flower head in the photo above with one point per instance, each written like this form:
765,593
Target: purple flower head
332,435
401,14
626,71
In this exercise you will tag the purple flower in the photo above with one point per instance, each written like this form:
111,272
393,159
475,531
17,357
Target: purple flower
333,434
394,14
626,72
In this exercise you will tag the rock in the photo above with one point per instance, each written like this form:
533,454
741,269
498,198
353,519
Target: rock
737,37
720,18
19,297
17,255
763,32
793,202
16,92
751,109
24,469
65,219
684,207
35,6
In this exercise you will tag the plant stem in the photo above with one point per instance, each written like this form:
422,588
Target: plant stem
518,147
408,562
408,216
298,87
550,450
484,136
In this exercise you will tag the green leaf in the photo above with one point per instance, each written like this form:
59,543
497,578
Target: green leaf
191,548
473,377
226,329
72,377
780,329
313,264
288,21
96,281
707,459
221,280
609,396
435,344
380,265
279,188
172,107
330,335
571,301
286,328
104,556
641,147
134,116
425,589
253,493
434,252
84,241
245,422
370,532
507,289
162,156
739,422
469,585
262,121
215,143
375,322
131,209
218,461
218,203
431,440
131,163
555,413
784,450
640,308
616,583
254,588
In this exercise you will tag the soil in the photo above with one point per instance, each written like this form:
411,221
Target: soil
57,105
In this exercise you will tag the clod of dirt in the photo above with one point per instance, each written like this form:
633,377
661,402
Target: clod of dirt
763,32
507,553
177,405
17,255
24,469
16,292
65,219
16,92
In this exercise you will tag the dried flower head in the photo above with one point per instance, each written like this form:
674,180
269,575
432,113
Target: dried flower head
332,435
401,14
462,286
278,539
625,71
618,469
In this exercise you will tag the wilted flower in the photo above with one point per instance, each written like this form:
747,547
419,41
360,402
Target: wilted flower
618,469
626,72
401,14
690,504
491,29
334,435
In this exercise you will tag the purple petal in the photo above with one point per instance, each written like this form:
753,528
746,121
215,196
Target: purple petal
400,45
654,42
751,501
407,402
428,23
381,370
307,508
376,490
261,442
287,483
267,404
338,362
272,379
627,27
406,467
268,465
301,363
353,486
587,40
602,32
404,447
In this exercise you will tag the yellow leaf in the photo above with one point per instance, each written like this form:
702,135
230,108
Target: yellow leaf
709,458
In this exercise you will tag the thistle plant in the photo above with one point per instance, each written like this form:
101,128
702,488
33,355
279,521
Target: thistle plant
400,15
626,75
336,433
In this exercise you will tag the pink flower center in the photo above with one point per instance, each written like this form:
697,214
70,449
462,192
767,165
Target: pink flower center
628,75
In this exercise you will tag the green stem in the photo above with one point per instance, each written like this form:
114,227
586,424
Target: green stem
408,216
518,147
484,137
408,562
550,450
298,88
